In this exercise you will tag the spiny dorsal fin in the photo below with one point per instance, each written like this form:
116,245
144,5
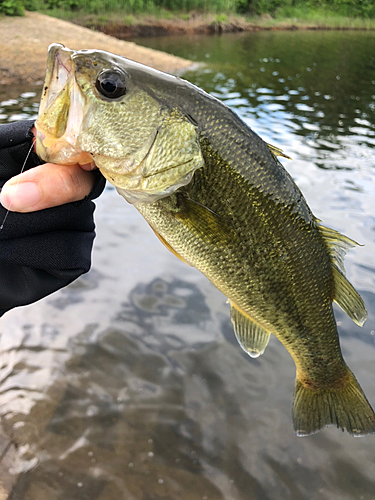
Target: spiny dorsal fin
252,337
345,294
275,151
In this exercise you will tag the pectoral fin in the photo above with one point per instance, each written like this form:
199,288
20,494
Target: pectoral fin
252,337
204,222
168,246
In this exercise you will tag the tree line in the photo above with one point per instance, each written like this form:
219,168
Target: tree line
350,8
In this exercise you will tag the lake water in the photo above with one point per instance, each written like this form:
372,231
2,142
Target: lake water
129,384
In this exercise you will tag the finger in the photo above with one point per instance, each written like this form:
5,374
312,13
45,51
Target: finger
88,166
46,186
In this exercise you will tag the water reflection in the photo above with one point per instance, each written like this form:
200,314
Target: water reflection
23,105
133,410
124,420
286,85
129,383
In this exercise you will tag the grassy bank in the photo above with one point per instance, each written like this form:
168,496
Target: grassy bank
147,23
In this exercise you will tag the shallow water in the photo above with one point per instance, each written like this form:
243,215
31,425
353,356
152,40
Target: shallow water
129,384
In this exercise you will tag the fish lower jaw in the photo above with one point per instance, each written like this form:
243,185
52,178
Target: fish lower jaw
54,150
132,188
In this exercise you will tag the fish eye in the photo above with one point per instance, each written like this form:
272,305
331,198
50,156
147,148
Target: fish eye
111,84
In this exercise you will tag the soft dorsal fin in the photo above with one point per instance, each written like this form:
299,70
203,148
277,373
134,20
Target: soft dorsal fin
275,151
252,337
347,297
345,294
338,245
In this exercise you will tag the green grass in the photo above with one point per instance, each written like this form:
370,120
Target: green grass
297,18
220,18
335,13
313,17
150,7
339,14
129,20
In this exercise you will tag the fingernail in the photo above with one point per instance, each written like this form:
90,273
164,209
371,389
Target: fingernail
88,166
19,197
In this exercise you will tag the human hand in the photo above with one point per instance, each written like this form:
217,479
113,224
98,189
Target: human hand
47,186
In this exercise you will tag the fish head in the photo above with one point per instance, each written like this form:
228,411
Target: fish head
100,107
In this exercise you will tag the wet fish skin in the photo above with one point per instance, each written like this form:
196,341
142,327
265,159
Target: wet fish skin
215,194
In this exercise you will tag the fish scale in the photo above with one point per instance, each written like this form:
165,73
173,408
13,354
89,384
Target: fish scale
248,261
217,197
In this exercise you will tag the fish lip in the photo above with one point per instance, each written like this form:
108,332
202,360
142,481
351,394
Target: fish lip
59,79
59,68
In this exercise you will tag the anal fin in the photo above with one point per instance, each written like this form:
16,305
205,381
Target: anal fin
252,337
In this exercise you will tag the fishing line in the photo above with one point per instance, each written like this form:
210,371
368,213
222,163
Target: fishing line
18,181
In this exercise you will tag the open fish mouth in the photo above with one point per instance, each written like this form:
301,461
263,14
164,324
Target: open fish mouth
59,68
61,111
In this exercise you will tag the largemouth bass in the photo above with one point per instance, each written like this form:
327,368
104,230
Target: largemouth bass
217,197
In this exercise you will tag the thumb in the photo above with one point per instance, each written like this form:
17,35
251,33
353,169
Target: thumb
46,186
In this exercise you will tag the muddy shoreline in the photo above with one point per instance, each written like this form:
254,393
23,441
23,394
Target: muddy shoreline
24,42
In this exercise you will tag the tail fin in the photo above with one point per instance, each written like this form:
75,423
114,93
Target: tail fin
345,406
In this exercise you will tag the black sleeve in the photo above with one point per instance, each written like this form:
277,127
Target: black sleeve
42,251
